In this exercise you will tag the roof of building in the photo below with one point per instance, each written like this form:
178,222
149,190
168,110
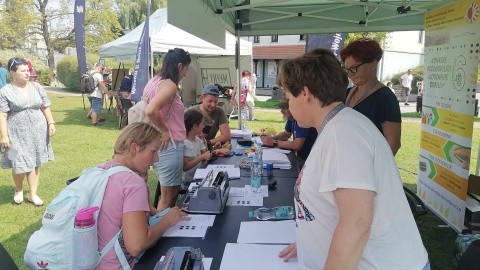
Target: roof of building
278,52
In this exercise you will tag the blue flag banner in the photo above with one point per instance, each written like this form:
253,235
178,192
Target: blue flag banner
140,72
335,42
79,23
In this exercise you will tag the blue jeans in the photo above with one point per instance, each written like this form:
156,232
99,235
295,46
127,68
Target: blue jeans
96,104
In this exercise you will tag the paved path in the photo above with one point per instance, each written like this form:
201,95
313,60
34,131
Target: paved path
61,90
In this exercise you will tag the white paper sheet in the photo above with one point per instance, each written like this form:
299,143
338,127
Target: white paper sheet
186,231
245,201
247,191
198,220
255,257
207,262
267,232
238,133
279,150
274,157
233,173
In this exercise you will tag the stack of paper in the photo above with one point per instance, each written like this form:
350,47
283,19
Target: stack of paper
267,232
278,159
233,172
255,257
238,133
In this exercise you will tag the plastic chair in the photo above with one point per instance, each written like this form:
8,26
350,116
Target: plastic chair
6,261
123,117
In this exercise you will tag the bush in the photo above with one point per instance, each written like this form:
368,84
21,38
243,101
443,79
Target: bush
417,77
44,77
67,69
37,64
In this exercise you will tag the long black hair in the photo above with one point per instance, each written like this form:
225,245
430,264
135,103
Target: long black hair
192,117
171,61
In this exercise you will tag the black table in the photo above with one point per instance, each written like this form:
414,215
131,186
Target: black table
227,225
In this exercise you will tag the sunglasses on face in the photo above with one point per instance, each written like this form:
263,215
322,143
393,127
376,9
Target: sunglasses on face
353,69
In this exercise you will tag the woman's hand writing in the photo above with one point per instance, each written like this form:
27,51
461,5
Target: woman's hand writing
288,252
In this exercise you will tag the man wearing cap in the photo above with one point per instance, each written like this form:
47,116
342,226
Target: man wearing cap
209,107
303,138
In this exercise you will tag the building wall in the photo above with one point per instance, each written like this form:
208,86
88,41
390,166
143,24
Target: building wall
282,40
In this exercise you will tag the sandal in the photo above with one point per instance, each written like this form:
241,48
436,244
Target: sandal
35,200
18,197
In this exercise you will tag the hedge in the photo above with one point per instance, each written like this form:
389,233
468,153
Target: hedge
417,73
43,73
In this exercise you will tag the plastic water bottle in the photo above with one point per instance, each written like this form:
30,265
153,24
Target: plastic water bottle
243,118
255,179
280,212
259,152
85,239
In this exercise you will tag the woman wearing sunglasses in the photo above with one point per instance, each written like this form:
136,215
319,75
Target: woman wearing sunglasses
369,96
26,124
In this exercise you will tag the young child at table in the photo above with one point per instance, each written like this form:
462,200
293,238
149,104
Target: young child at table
195,152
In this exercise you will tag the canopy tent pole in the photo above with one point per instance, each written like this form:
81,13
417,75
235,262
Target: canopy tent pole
237,66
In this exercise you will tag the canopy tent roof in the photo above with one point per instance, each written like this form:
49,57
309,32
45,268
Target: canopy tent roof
164,36
282,17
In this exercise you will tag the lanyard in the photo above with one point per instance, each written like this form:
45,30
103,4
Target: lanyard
330,116
364,95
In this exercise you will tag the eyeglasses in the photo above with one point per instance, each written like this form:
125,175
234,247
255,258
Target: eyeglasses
353,69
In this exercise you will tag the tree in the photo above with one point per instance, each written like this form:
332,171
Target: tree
379,37
16,22
133,13
101,24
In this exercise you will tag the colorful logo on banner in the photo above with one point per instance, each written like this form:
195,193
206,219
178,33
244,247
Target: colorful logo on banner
452,51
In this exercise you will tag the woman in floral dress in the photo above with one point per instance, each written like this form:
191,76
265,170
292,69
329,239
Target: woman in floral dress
26,124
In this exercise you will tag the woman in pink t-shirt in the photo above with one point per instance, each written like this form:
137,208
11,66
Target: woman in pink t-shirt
125,203
165,110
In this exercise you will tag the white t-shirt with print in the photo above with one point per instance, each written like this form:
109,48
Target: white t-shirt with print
407,80
192,150
97,77
352,153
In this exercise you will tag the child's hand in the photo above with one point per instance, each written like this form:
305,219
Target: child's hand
207,155
224,151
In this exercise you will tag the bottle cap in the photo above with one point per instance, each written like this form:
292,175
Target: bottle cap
250,214
86,213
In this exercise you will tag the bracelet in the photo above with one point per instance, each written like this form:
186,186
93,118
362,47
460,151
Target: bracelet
51,123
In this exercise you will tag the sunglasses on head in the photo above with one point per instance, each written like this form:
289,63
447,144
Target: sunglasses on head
16,61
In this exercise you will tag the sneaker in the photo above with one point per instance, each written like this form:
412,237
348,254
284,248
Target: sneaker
97,124
102,120
407,104
35,200
18,197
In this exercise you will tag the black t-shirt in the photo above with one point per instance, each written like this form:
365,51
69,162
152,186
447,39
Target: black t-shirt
379,107
126,84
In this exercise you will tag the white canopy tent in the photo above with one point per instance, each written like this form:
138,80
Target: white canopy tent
210,63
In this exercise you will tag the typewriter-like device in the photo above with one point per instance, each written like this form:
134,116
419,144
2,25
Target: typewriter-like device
181,258
209,196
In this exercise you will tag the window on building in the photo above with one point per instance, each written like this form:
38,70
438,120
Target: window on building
420,36
303,37
256,39
275,38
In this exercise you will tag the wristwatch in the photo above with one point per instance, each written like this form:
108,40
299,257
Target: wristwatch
275,143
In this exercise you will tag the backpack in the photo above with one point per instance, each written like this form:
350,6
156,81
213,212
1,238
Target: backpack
52,246
137,113
89,84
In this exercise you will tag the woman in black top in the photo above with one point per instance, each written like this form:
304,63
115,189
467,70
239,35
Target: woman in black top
369,96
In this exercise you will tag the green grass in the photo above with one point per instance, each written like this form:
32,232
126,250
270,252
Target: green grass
78,146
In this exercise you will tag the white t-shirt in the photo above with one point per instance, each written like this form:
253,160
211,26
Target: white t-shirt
352,153
407,80
192,150
97,77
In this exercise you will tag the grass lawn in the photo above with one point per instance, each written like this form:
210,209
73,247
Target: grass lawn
77,146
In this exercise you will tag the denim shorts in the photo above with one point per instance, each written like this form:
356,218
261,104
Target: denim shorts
169,167
96,104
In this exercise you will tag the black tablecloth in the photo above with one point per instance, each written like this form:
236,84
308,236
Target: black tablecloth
227,225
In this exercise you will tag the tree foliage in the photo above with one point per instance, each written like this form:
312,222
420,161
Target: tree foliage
16,22
377,36
133,13
101,24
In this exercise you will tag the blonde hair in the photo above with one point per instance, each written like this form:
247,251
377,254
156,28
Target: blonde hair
139,133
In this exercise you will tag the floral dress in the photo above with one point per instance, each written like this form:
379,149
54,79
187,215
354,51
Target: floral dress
27,127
